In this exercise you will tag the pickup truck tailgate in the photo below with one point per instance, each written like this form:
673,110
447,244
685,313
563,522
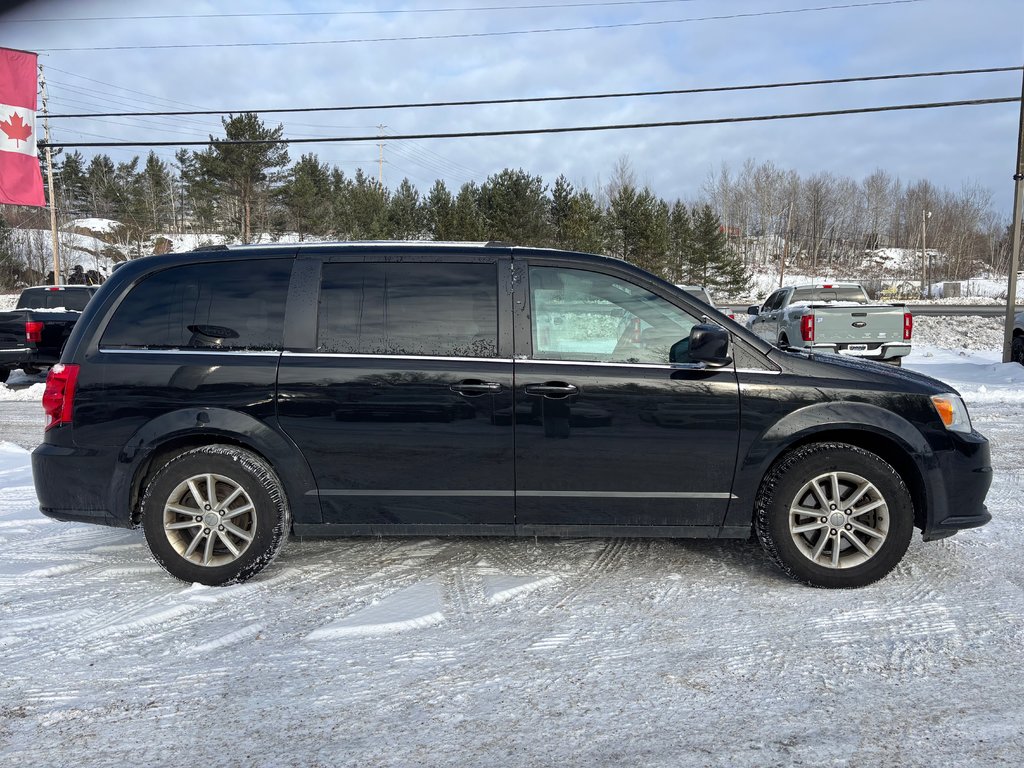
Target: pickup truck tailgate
852,325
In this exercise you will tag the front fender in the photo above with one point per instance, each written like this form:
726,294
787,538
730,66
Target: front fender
189,427
861,423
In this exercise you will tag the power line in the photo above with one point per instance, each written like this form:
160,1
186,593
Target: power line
542,99
605,3
473,35
539,131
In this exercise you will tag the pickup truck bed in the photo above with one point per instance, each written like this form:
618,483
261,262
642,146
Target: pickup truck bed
33,334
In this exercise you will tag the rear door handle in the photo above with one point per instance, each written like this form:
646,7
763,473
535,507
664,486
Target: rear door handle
554,390
475,387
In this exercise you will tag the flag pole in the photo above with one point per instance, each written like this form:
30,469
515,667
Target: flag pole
49,181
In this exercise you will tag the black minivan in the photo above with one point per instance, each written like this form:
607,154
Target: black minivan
225,397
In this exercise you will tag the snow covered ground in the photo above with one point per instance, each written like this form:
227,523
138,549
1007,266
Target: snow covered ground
496,652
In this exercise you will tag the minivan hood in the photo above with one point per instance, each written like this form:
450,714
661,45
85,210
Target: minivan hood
867,370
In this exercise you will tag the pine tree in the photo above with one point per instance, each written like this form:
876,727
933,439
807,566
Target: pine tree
680,243
406,217
198,201
561,211
514,208
583,227
714,265
72,186
467,221
157,191
368,208
440,210
637,227
306,196
244,172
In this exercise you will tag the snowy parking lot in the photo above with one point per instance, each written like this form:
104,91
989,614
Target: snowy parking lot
408,652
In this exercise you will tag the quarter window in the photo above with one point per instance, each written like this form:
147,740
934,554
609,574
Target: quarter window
409,308
590,316
210,306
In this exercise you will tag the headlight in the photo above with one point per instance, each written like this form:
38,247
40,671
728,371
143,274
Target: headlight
953,412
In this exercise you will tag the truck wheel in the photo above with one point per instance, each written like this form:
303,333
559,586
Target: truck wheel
215,515
896,362
4,373
1017,350
31,370
834,515
783,342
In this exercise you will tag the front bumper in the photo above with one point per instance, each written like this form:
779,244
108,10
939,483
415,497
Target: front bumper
965,475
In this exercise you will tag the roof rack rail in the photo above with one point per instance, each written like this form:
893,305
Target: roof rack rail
209,248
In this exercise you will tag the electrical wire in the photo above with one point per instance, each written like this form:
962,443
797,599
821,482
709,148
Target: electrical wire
541,131
544,99
381,12
473,35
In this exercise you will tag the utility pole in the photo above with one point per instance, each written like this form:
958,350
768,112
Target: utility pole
49,181
785,251
380,162
1018,212
925,215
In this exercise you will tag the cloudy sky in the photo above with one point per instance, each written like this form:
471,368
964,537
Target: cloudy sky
320,53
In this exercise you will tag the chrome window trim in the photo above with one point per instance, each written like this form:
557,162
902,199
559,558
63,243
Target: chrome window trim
358,356
187,351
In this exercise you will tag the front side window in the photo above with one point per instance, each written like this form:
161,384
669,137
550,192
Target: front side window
409,308
593,317
228,305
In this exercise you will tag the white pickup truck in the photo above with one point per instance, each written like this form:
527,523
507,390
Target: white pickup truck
834,317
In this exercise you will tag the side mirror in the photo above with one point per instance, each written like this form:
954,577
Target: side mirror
707,343
753,310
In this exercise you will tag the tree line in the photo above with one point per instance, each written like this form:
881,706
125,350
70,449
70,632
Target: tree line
742,220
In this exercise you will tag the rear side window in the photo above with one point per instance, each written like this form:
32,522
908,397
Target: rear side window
217,305
409,308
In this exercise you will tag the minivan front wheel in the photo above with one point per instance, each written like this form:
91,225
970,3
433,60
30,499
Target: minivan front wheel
215,515
834,515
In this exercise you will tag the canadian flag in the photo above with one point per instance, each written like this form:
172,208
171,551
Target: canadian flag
21,182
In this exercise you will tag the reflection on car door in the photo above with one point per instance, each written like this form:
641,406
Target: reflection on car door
607,431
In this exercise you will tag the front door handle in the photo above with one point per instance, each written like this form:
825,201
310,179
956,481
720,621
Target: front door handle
475,387
553,389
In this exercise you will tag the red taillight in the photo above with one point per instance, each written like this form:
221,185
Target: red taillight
807,327
908,326
59,397
33,330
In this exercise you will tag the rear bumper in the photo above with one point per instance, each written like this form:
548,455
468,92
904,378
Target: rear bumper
884,351
71,483
15,358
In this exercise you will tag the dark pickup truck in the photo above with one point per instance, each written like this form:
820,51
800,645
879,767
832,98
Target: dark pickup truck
33,334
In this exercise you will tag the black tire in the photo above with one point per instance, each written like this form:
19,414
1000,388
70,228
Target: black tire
783,342
1017,350
31,370
201,550
896,362
819,548
4,374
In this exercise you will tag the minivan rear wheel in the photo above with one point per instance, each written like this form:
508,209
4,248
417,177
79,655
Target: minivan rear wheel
215,515
834,515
